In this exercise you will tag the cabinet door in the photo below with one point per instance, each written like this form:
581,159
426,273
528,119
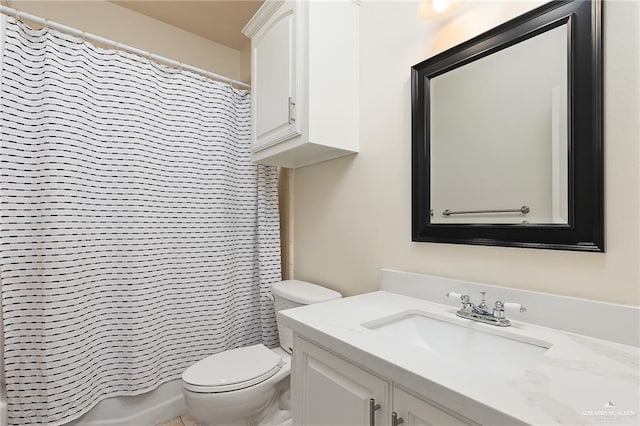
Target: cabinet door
274,79
331,391
417,412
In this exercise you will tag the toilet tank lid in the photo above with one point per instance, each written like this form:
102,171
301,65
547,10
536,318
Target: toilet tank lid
304,292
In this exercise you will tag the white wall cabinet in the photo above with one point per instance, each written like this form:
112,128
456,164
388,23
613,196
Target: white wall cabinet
329,390
274,79
304,72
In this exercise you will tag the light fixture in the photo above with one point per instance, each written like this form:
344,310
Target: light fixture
440,5
434,9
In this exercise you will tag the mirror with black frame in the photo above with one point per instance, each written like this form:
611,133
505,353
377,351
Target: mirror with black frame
506,127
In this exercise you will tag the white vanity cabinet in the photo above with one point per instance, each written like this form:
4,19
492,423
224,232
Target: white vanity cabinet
328,390
414,411
304,72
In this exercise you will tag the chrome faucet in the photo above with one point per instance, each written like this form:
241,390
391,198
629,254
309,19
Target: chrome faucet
481,311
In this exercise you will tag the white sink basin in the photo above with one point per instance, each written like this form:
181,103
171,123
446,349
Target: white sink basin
502,353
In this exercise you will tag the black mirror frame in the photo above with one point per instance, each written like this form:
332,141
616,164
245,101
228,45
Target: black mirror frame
585,228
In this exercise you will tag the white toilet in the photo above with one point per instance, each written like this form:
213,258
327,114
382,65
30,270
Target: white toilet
243,386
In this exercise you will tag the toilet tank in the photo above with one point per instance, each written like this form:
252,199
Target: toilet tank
293,293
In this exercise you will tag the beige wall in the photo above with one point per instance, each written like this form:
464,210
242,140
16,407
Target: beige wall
285,193
116,23
245,64
352,215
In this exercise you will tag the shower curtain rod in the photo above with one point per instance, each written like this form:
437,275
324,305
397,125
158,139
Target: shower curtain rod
118,46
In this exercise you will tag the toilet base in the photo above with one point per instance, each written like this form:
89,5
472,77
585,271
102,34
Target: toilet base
228,410
276,411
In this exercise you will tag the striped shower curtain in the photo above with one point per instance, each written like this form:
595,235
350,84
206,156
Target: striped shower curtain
136,236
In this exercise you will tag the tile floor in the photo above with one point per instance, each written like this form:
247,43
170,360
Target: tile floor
183,420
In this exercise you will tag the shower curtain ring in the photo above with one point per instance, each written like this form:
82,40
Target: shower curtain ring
84,36
46,24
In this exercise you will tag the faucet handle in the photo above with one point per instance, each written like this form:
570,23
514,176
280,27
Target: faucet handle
463,298
454,296
514,307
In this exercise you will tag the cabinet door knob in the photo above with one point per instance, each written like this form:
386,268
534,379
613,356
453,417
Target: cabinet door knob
291,115
395,420
373,407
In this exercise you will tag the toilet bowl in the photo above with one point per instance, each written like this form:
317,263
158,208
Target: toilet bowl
250,385
233,397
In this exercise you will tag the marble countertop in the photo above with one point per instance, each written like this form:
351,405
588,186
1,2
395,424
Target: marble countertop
578,380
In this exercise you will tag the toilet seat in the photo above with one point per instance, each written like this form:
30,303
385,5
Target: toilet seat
232,370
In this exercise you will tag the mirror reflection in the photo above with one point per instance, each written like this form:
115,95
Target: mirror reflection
498,136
